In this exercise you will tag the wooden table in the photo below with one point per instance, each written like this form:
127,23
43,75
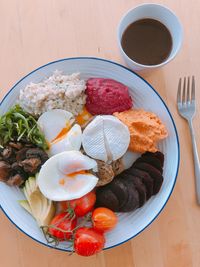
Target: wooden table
33,33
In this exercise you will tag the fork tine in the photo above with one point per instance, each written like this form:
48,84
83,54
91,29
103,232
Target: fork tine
193,89
179,91
188,90
184,87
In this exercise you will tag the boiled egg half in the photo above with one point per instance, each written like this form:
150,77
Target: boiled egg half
57,127
66,176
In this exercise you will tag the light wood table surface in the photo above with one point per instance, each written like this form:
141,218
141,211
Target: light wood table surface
34,32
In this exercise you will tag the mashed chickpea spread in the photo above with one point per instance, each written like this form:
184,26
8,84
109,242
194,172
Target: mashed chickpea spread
146,129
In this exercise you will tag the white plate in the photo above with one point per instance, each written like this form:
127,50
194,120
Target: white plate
144,96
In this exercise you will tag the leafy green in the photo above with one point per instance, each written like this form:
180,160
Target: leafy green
18,125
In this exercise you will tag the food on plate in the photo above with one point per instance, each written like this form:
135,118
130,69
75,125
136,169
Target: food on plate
18,161
104,219
159,155
60,133
84,117
24,203
106,138
81,206
133,187
146,129
133,201
153,172
105,173
152,160
66,176
5,171
120,191
106,96
58,91
62,225
41,208
103,156
139,186
106,198
17,125
145,178
118,166
88,241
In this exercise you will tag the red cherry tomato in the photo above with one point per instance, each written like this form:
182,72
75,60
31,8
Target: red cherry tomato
62,226
81,205
88,241
104,219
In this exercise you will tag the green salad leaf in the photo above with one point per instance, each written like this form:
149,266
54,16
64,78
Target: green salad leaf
18,125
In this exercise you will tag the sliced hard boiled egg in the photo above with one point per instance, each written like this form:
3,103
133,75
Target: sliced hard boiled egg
66,176
57,127
71,141
55,123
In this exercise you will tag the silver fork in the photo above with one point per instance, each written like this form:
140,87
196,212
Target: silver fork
186,108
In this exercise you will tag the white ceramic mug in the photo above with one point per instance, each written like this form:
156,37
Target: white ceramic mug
157,12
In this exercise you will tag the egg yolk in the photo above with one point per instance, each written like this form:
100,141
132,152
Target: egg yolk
61,134
62,181
83,117
72,175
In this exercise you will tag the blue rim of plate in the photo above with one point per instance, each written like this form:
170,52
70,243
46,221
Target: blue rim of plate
177,139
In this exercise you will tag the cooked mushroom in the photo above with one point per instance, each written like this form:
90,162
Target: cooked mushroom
29,145
19,169
20,160
8,154
5,171
37,153
105,173
16,145
31,165
16,179
21,154
117,166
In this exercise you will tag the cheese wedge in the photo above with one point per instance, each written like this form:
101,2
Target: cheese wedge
106,138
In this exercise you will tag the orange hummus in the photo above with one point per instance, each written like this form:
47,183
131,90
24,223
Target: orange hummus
146,129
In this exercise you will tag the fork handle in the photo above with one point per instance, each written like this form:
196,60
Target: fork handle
196,161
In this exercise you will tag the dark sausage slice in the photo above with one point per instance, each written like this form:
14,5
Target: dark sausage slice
152,160
120,190
146,179
159,155
140,187
133,197
106,198
153,172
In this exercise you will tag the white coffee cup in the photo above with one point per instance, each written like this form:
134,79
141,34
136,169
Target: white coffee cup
157,12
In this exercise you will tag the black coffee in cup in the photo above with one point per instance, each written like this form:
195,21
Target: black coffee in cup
147,41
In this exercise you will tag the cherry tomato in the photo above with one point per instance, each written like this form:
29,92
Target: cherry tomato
62,225
104,219
81,205
88,241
